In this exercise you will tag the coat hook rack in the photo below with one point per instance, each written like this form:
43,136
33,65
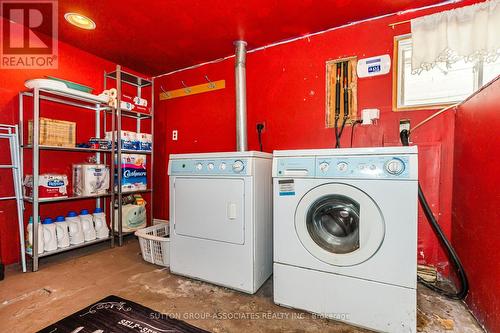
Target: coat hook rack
192,90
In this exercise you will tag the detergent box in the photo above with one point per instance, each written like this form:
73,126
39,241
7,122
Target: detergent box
134,173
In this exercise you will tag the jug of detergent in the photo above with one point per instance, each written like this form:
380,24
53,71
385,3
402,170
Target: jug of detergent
74,228
29,239
101,228
62,232
87,225
49,235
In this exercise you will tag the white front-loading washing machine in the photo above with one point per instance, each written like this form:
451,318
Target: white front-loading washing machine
221,218
345,234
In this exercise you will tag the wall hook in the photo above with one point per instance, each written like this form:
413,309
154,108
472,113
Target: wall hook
211,85
186,88
167,94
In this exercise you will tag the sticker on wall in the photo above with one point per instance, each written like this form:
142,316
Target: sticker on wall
286,187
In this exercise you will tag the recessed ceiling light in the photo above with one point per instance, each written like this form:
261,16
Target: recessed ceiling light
80,21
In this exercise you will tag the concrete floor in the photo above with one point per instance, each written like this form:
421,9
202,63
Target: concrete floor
71,281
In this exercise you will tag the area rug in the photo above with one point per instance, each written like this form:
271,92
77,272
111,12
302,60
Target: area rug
116,315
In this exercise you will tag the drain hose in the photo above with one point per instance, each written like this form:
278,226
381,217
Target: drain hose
452,255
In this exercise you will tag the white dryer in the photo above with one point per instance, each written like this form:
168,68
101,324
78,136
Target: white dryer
345,234
221,218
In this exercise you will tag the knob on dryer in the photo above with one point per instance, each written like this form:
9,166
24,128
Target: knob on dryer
238,166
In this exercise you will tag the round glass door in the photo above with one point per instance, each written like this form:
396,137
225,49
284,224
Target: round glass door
339,224
333,223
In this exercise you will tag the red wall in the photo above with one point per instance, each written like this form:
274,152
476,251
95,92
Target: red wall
476,213
75,65
286,90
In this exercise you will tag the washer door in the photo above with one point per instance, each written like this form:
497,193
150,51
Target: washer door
339,224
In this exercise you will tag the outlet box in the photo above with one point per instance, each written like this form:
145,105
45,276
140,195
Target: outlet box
369,115
174,135
404,124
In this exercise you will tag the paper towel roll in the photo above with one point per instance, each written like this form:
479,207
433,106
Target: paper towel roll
140,101
112,93
127,105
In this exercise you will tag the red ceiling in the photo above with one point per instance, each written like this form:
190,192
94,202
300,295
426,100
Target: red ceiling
159,36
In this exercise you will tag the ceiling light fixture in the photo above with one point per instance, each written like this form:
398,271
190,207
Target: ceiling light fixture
80,21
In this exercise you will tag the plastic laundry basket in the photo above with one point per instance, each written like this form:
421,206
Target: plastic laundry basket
155,244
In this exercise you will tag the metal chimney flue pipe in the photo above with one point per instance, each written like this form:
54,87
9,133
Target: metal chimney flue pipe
241,95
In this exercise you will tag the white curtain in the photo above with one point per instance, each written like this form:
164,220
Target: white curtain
471,33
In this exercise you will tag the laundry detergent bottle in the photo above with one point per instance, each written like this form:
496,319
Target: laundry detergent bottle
49,235
101,228
62,232
74,228
29,245
87,225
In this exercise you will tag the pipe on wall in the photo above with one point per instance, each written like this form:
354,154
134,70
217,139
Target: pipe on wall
241,95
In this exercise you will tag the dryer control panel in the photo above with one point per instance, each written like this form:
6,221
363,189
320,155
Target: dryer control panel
215,167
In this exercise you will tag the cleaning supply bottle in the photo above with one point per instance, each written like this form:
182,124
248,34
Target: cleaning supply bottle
87,225
62,232
49,235
101,228
29,238
74,228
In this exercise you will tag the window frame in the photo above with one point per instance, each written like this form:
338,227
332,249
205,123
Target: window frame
397,79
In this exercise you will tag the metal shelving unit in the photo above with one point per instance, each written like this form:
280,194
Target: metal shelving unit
122,77
38,95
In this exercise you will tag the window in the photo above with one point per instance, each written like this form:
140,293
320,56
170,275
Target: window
438,86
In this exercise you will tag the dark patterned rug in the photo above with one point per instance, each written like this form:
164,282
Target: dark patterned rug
117,315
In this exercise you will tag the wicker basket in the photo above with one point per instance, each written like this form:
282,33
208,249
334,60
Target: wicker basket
155,244
53,132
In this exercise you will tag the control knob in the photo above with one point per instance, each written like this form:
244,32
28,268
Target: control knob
342,166
324,166
395,166
238,166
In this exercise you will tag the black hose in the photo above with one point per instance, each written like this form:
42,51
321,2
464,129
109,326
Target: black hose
345,68
352,129
260,127
452,255
337,105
